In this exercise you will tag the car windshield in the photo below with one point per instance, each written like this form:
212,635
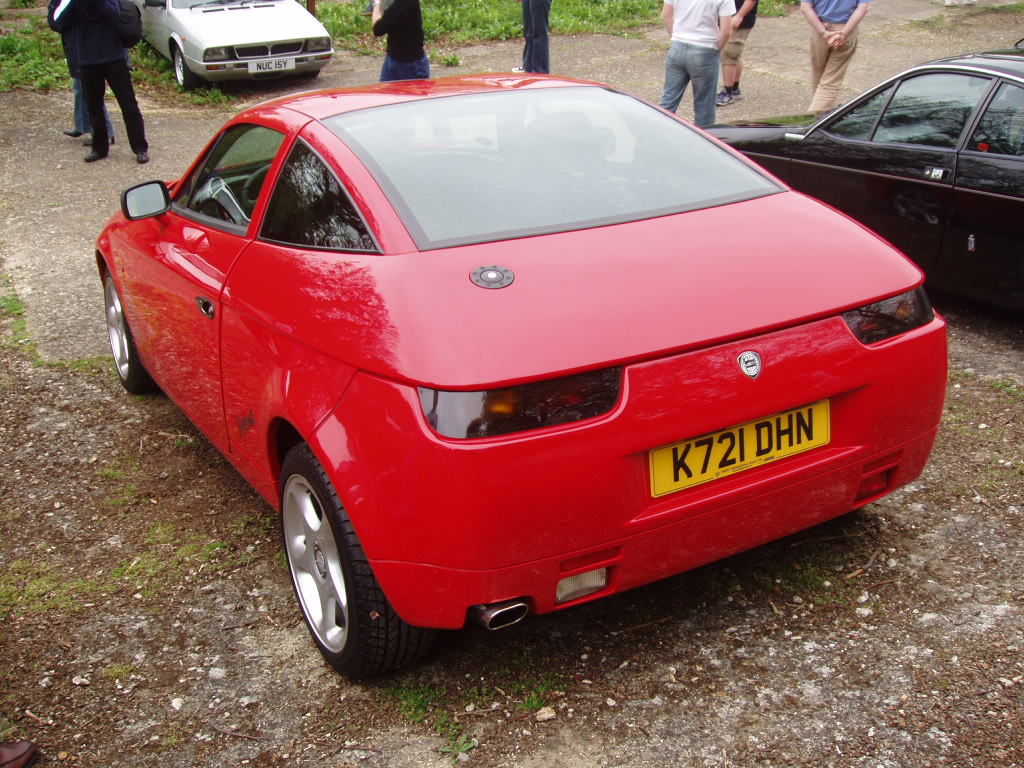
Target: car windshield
492,166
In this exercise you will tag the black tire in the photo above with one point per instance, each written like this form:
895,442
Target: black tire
343,605
187,80
130,370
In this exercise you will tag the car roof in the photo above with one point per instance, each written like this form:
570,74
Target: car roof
321,105
1009,63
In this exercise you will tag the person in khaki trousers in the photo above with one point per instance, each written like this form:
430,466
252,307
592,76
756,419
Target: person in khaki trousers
833,42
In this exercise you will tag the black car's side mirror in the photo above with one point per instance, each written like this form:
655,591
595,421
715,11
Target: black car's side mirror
150,198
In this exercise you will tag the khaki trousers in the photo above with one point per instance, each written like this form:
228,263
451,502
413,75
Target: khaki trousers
828,68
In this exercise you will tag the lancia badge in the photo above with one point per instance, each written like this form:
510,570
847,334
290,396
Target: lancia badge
750,364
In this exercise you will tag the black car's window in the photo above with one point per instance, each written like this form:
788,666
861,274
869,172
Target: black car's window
931,109
225,187
1001,128
310,208
491,166
859,122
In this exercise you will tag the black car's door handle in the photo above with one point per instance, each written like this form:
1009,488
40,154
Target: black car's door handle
936,174
205,306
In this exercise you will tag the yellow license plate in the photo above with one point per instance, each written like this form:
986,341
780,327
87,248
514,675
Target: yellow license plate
702,459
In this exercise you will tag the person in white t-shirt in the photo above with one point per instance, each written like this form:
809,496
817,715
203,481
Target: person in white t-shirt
699,30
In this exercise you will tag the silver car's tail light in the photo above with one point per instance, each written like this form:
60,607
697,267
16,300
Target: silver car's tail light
486,413
890,317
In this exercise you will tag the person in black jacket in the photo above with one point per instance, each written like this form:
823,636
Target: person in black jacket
402,22
82,124
101,61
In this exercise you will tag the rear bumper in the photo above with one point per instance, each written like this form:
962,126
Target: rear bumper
426,595
448,524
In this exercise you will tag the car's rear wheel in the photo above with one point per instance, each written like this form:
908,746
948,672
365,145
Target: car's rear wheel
344,607
187,80
130,370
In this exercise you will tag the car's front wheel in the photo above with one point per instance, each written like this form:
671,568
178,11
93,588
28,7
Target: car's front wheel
345,609
187,80
130,370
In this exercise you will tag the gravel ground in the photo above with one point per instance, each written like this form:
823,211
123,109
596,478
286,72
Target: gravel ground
146,617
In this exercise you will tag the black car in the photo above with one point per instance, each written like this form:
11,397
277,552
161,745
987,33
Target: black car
932,160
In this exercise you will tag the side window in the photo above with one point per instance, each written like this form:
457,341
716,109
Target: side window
310,208
931,110
859,121
1001,128
226,186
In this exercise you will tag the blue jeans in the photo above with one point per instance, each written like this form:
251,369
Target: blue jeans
536,54
82,124
393,69
686,63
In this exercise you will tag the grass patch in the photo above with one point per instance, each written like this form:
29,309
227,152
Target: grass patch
523,682
30,587
12,319
33,58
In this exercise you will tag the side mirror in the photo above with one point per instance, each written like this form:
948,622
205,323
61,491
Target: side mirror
150,198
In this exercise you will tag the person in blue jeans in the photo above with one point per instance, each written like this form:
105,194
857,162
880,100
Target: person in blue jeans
402,22
536,51
699,30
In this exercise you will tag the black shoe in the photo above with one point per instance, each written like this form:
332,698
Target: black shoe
142,158
92,157
88,142
73,134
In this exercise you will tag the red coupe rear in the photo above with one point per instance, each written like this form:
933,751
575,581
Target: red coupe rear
506,344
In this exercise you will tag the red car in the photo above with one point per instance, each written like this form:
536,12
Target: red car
505,344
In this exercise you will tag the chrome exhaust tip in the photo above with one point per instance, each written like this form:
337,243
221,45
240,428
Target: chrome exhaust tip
500,615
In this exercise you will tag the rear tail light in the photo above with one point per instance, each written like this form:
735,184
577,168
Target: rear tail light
486,413
890,317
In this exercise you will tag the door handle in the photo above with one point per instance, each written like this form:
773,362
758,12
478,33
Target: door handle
936,174
205,306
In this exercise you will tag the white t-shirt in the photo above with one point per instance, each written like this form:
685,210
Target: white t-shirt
696,21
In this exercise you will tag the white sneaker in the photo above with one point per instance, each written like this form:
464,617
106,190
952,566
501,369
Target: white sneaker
518,70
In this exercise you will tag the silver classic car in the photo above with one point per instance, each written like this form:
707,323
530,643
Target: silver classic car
215,40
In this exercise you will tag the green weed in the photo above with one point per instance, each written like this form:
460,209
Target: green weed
118,671
416,703
33,58
29,587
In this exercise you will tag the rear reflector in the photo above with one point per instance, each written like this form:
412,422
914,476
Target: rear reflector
581,585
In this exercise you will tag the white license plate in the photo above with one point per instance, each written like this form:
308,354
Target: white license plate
270,65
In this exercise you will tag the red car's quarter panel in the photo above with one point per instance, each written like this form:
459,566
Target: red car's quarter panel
487,517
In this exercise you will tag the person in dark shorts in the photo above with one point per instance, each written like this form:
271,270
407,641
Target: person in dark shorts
732,54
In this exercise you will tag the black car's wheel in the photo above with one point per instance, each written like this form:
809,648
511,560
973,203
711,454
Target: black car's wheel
346,611
130,369
187,80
